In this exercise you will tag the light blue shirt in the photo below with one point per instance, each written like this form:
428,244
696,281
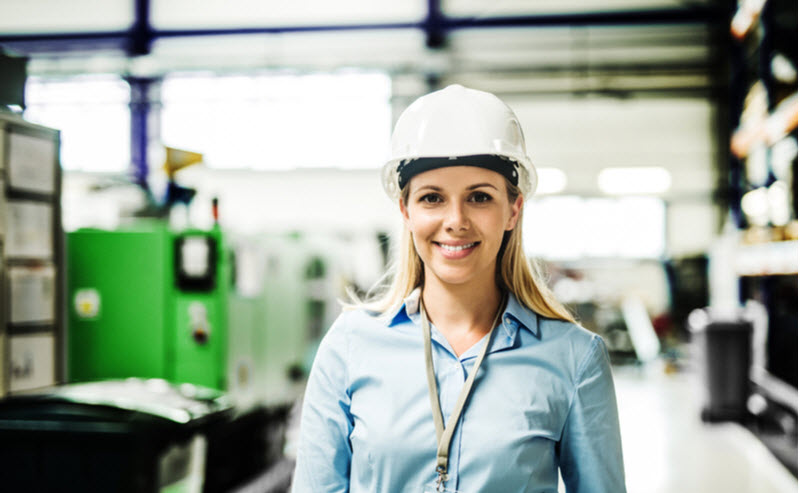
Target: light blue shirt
543,399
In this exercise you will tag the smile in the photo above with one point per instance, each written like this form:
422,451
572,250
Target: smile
457,248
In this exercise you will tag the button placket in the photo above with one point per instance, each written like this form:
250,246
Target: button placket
453,380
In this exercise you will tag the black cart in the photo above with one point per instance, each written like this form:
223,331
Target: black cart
128,435
723,345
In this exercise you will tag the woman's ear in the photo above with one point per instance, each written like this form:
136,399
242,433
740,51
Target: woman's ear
403,210
516,208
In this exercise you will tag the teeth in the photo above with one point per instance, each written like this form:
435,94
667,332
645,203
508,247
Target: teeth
453,248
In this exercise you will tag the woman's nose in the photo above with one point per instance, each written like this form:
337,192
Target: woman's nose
456,218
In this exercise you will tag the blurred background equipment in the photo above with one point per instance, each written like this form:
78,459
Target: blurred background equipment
31,333
640,327
12,84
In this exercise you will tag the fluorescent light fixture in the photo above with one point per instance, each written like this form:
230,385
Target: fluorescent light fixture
641,180
551,180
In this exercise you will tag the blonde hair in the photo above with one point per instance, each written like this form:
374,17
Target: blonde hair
515,274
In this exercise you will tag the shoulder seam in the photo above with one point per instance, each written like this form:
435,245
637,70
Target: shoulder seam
579,376
582,367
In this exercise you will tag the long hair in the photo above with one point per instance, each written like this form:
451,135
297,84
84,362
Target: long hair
514,274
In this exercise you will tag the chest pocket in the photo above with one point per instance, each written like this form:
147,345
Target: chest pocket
520,410
516,443
535,421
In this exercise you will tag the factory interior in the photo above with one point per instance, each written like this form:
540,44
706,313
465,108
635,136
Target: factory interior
192,189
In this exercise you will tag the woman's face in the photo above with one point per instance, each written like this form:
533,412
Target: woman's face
457,217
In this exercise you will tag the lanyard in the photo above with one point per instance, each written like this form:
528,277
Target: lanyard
445,435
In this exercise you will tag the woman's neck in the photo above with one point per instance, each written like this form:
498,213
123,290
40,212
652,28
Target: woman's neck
462,313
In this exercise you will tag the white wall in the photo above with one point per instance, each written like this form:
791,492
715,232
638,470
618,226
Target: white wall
583,135
692,227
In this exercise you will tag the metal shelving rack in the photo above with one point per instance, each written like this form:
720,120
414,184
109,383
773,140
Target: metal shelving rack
764,111
31,322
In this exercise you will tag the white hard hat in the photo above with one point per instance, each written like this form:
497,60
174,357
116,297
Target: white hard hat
457,126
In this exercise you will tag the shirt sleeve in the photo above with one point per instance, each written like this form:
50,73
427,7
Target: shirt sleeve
590,450
324,452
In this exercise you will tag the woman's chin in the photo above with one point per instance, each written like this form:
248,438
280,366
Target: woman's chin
457,276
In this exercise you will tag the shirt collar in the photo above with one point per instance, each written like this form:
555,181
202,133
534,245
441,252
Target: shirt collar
407,309
514,316
518,316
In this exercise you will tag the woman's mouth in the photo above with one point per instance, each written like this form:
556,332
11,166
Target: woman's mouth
451,251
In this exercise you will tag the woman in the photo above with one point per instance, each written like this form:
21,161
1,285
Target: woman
466,374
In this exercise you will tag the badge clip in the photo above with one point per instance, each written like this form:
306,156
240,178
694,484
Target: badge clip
442,472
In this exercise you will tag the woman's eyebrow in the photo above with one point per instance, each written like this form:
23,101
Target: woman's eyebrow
428,187
439,189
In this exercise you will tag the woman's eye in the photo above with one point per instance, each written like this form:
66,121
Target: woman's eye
480,197
430,198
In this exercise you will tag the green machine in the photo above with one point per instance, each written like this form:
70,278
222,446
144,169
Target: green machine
242,316
148,302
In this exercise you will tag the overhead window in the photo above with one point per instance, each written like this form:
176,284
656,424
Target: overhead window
41,16
280,121
181,14
93,115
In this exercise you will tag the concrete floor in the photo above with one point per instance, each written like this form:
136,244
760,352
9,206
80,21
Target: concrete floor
668,449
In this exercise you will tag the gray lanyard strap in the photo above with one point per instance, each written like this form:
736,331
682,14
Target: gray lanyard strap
445,435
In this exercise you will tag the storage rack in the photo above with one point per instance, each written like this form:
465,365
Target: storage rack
31,322
764,109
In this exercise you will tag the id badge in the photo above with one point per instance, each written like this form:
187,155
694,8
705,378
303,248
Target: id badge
434,488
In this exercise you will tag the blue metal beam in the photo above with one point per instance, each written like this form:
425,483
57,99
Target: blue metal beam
141,33
140,112
435,25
